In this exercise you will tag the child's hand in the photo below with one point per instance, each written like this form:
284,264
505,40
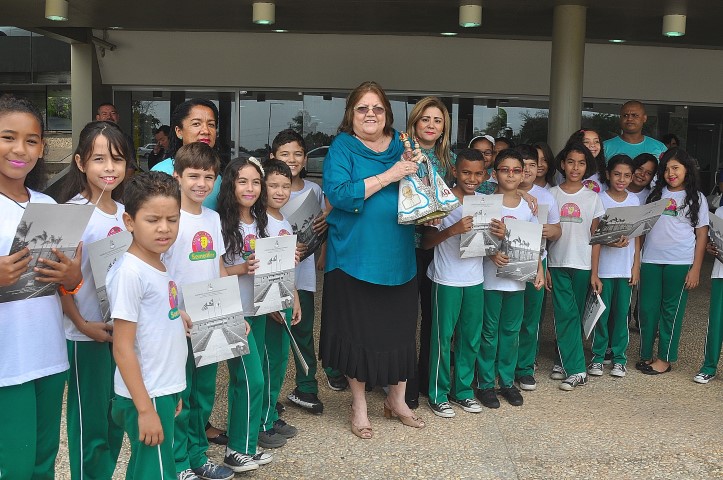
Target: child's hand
710,248
296,311
545,231
596,284
65,271
433,223
498,228
463,226
187,323
150,430
634,276
276,317
548,281
248,327
692,279
12,266
98,331
319,226
297,255
251,264
539,281
500,259
179,407
621,243
531,201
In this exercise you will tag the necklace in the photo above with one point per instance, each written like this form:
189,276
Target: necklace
15,201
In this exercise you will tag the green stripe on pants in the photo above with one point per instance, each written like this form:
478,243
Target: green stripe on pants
662,306
615,295
569,289
530,328
714,336
274,362
500,338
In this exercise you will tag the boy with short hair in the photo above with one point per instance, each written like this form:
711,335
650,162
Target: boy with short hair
196,256
149,330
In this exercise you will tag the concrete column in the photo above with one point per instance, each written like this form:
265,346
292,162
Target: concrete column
81,86
566,73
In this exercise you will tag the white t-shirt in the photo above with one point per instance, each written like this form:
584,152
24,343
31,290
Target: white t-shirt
595,183
502,284
147,296
672,239
447,268
642,195
101,225
544,197
577,211
617,262
246,282
717,265
194,256
32,341
306,270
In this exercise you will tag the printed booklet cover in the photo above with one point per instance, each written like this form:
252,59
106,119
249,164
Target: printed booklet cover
102,255
628,221
45,226
479,242
522,245
274,279
301,211
715,232
219,328
594,307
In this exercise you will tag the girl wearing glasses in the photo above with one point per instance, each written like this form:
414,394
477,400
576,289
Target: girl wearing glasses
570,260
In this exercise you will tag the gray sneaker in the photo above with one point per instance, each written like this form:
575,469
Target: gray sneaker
579,379
284,429
558,373
595,369
618,370
271,439
469,405
211,471
239,462
442,409
703,378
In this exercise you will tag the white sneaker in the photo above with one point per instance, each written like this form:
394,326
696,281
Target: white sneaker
618,370
595,369
239,462
262,458
579,379
558,373
703,378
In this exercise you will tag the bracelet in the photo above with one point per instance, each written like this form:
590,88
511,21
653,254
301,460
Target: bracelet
381,185
64,292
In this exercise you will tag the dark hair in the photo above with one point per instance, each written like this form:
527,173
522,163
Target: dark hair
276,166
196,155
228,207
578,148
287,136
619,159
691,183
549,159
165,129
469,154
644,158
506,140
104,104
347,122
668,137
600,163
35,179
76,181
181,112
508,153
144,186
528,152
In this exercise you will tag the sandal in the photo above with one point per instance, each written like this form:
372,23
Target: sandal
365,433
219,439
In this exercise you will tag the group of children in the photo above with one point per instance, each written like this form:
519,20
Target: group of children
148,386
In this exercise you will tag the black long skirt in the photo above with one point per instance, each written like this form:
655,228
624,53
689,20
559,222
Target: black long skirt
368,330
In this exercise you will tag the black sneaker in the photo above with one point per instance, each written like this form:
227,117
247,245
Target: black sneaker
284,429
608,358
211,471
512,395
442,409
220,439
239,462
488,397
338,383
307,401
527,382
469,405
271,439
280,408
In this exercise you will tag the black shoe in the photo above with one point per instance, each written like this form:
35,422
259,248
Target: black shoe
280,408
652,371
307,401
338,383
512,395
413,404
284,429
488,397
220,439
643,366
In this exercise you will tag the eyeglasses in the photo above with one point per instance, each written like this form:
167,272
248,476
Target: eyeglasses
508,170
363,109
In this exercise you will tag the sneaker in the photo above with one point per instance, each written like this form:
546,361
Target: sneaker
512,395
557,373
280,408
527,382
284,429
271,439
239,462
262,458
703,378
595,368
619,370
442,409
469,405
211,471
307,401
188,474
579,379
337,383
488,397
608,357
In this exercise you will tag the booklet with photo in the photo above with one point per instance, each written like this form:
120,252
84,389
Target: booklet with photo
301,211
480,242
627,221
45,226
219,328
715,232
102,255
274,279
522,245
594,307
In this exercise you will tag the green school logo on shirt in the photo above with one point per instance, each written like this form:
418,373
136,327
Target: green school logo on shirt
202,246
570,212
671,209
173,300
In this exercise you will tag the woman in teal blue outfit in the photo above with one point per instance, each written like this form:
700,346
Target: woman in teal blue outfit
369,308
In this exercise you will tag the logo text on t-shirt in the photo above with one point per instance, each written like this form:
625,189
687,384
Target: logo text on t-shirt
202,246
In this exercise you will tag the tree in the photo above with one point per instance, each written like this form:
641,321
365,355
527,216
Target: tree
144,121
534,128
498,123
305,126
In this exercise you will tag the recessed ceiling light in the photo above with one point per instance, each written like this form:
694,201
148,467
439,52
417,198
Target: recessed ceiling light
280,30
674,25
470,14
115,28
448,34
56,10
264,13
617,40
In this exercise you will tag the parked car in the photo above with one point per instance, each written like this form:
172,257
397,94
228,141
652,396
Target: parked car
315,161
144,151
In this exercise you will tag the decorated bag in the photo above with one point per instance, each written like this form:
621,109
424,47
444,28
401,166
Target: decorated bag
423,196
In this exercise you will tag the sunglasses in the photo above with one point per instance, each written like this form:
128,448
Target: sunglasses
364,110
508,170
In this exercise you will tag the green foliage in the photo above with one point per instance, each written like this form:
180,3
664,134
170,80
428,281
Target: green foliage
59,107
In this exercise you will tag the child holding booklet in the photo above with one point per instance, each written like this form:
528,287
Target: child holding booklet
504,297
196,256
32,365
95,176
149,343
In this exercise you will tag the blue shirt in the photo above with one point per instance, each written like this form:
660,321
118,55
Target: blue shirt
211,201
617,145
365,240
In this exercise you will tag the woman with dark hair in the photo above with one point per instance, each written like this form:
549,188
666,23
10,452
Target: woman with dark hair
369,309
194,120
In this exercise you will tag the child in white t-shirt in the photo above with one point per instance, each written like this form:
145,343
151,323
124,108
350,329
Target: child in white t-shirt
615,270
504,298
149,330
569,259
